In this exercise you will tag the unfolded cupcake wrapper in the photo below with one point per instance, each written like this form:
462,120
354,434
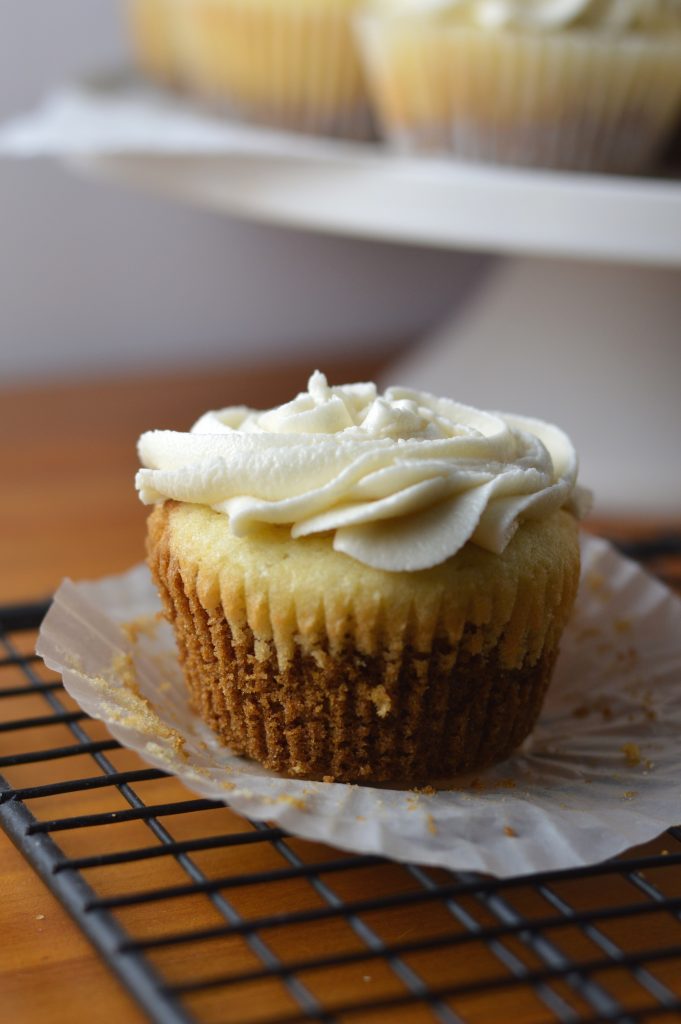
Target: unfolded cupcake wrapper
348,715
599,774
294,66
572,101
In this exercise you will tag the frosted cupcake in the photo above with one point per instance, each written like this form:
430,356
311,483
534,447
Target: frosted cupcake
293,64
365,586
573,84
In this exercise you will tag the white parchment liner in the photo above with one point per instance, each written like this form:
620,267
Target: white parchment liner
601,773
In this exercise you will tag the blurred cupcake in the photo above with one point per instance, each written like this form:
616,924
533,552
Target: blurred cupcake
156,39
590,85
293,64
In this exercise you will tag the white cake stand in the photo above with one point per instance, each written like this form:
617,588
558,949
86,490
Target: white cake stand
579,323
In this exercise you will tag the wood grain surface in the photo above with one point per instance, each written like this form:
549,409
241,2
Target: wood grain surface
69,508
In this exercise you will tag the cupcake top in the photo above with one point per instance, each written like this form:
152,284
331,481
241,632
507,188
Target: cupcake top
403,480
547,15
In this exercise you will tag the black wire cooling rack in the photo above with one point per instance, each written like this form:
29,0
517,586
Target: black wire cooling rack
208,918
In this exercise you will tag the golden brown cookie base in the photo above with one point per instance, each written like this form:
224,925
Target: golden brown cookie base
349,716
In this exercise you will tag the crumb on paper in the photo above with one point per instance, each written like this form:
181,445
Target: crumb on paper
379,697
629,794
510,831
596,584
360,817
127,706
283,798
588,632
505,783
328,779
426,790
431,824
123,666
177,742
632,753
143,625
229,786
599,706
628,658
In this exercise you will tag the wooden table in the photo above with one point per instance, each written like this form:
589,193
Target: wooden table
69,508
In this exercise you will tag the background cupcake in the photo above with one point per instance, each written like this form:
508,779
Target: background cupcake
573,84
293,64
156,39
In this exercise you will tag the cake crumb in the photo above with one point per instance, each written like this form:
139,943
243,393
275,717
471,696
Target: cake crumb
123,666
143,625
629,794
294,801
40,917
431,824
366,977
328,778
506,784
627,658
632,753
360,817
378,696
622,625
426,790
509,831
664,853
595,581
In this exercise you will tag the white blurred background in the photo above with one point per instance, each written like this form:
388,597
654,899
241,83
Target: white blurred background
94,278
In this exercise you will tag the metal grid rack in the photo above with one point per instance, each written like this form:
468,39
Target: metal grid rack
209,918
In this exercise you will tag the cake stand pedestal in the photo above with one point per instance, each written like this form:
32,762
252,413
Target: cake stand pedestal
579,322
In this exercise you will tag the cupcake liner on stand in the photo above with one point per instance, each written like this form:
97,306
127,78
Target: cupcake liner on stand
156,39
571,100
294,66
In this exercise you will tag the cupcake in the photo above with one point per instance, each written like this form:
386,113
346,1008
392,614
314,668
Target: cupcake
293,64
591,85
365,586
156,40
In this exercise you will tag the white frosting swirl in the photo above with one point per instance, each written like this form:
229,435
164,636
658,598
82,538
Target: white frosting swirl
547,15
403,479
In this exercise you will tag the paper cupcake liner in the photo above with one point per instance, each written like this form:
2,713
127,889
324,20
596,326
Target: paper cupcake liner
367,686
572,101
600,773
294,65
350,718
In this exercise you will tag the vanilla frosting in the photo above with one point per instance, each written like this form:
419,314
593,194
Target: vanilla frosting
549,15
402,479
